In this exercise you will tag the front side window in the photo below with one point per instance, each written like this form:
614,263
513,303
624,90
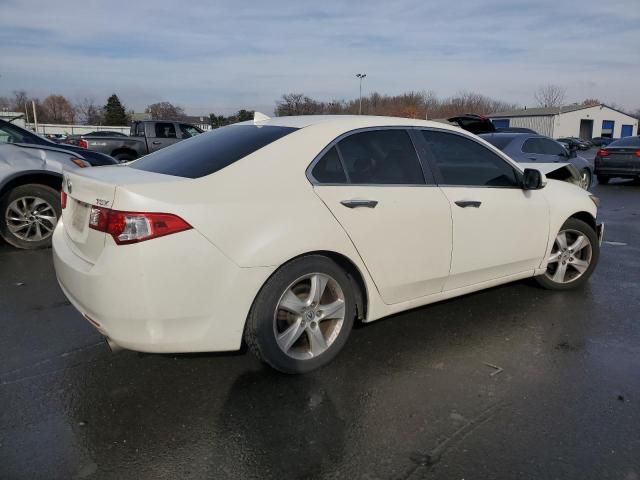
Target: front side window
383,157
188,131
165,130
465,162
212,151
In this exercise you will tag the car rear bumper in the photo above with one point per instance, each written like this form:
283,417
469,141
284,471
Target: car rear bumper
631,168
177,293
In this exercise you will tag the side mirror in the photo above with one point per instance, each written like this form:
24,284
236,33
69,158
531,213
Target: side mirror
573,153
532,179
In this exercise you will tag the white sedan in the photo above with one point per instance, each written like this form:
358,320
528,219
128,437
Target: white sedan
282,232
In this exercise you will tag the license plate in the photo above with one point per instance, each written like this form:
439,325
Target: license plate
80,215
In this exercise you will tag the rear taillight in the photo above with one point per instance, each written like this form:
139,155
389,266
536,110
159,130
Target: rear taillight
603,153
82,143
637,153
133,227
63,199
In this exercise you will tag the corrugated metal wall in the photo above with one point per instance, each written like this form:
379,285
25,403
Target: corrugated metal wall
542,125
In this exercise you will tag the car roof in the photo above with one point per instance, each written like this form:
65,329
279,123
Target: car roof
348,122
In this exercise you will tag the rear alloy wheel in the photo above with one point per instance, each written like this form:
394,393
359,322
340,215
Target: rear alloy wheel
585,179
603,180
29,216
573,257
302,316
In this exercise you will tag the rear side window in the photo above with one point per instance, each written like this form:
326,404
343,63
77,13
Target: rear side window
165,130
382,157
138,131
465,162
212,151
542,146
329,168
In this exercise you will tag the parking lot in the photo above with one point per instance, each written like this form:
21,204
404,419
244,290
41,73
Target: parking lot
512,382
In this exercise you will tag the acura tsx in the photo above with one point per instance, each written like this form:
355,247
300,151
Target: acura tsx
282,232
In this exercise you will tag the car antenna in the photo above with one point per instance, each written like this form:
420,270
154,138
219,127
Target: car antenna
260,117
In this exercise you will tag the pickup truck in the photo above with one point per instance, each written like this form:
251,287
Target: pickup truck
145,137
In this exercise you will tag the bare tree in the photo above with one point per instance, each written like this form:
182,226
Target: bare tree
165,111
88,112
550,95
57,109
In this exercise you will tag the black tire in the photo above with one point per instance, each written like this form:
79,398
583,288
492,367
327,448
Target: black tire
579,226
260,334
124,157
603,180
48,194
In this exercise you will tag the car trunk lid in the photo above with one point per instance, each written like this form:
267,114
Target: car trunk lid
96,187
473,123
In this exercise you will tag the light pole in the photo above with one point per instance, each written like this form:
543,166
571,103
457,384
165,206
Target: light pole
360,76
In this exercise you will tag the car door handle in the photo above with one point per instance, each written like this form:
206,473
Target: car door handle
468,203
359,203
156,143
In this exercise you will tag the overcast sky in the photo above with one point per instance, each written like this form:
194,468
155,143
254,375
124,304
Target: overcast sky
219,56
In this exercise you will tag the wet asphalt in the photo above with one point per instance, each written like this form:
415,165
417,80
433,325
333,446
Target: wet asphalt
412,396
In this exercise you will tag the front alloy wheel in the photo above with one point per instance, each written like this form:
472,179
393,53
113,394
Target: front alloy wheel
28,215
585,179
570,257
573,257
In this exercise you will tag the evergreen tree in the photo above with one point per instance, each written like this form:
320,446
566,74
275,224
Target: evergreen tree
114,112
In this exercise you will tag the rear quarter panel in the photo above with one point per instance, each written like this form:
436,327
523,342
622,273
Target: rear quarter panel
260,211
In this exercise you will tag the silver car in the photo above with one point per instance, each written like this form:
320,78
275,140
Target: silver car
30,184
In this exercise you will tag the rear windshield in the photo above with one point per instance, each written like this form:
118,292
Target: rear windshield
212,151
626,142
498,141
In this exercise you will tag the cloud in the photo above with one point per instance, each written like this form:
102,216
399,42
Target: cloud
221,56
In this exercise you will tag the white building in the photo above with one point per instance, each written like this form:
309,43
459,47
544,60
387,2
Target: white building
571,121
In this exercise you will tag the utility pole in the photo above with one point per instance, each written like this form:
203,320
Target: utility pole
35,115
360,76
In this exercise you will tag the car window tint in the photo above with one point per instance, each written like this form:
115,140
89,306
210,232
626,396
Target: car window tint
550,147
165,130
139,130
188,131
9,136
329,168
626,142
212,151
462,161
531,145
381,157
499,141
